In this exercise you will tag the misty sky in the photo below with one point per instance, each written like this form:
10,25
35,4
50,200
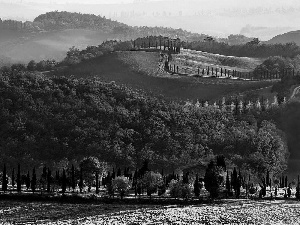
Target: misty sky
257,18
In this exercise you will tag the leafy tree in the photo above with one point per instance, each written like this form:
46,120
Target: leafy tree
179,189
18,67
122,185
90,166
5,70
31,66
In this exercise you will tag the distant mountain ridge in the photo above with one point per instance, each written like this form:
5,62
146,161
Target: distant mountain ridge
293,36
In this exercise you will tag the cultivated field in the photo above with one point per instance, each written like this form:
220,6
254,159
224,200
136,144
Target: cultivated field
200,59
228,212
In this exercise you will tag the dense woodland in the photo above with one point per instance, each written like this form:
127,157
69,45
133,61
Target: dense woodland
44,120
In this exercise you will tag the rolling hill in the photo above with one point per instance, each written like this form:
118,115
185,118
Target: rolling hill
293,36
140,70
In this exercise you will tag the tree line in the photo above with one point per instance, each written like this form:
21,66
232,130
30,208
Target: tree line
93,176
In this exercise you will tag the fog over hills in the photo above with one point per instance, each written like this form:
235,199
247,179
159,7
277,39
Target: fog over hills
219,18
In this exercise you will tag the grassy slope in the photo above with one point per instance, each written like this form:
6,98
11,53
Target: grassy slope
133,69
46,45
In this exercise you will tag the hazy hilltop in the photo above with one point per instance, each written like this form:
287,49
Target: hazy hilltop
50,35
293,36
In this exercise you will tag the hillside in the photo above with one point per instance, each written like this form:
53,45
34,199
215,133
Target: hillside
293,36
140,70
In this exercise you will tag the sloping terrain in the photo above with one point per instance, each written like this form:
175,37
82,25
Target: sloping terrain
293,36
141,70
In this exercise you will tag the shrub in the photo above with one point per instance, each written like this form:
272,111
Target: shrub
121,185
180,190
152,181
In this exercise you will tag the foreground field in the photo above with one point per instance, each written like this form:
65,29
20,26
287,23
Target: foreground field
229,212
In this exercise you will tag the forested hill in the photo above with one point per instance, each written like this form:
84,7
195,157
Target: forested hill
55,20
45,120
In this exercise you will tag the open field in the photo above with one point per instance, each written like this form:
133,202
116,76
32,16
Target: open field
228,212
140,70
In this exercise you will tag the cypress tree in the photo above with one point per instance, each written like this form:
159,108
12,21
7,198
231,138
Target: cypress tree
286,181
13,178
19,179
73,177
228,183
28,181
213,179
49,181
119,172
298,190
97,182
268,178
113,176
197,186
234,181
80,181
64,182
4,179
33,180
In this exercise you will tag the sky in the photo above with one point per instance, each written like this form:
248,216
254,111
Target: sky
257,18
